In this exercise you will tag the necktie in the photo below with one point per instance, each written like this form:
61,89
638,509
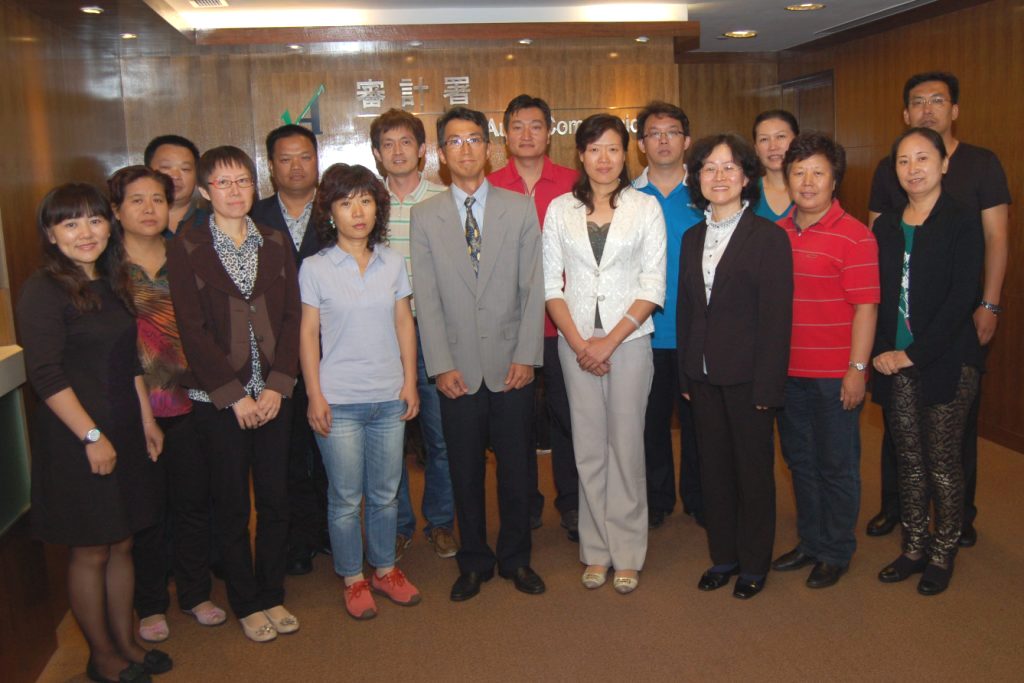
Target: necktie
472,236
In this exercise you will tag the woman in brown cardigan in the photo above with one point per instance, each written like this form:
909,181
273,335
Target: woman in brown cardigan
236,298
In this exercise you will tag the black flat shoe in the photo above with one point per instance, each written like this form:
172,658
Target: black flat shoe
468,585
882,524
571,524
712,580
935,579
824,575
746,588
526,581
300,562
902,569
655,518
133,673
157,662
968,537
794,559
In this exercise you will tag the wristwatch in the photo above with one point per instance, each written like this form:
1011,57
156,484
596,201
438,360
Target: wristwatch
92,436
860,367
995,309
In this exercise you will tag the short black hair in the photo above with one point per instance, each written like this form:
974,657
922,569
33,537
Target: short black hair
781,115
806,145
341,181
951,81
175,140
397,118
592,128
225,155
520,102
461,114
927,133
122,178
287,131
742,152
659,108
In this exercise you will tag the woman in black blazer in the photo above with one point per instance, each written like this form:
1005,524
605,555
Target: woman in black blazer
733,328
927,353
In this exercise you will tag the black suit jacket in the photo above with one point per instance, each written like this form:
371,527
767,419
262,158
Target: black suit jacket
268,212
946,262
743,333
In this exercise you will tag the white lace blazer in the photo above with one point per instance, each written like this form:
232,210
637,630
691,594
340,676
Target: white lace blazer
632,265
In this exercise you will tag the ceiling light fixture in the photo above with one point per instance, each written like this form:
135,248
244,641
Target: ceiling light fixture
613,55
293,46
415,43
806,7
743,33
92,9
526,41
642,39
129,36
510,56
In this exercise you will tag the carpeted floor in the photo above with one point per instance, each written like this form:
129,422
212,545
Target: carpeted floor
859,629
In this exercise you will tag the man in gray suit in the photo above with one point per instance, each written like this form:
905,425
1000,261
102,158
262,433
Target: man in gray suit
476,257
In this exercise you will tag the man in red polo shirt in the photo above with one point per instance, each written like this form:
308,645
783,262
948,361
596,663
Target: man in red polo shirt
530,171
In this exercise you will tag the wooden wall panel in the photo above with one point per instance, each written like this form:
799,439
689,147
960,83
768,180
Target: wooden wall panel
725,94
984,46
237,95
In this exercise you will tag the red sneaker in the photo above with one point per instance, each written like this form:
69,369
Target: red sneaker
359,602
396,587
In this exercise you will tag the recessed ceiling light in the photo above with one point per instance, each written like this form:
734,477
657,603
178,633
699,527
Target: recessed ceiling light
410,59
129,36
613,55
526,41
293,46
642,39
806,7
92,9
743,33
415,43
510,56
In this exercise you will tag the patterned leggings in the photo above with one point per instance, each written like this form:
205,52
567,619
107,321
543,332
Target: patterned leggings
927,439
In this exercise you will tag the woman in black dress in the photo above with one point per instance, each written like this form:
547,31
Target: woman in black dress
91,478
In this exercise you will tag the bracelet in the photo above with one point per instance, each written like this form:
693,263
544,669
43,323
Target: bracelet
995,309
630,318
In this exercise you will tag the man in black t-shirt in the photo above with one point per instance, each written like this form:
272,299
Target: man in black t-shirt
975,178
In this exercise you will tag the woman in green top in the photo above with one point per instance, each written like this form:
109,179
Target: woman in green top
926,353
773,131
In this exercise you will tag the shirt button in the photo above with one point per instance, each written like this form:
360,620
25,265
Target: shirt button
600,297
597,273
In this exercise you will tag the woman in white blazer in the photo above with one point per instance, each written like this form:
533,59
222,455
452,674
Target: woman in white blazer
608,241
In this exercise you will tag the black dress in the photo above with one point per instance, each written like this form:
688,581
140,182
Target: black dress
93,353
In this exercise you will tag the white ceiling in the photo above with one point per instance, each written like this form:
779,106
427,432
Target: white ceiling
777,28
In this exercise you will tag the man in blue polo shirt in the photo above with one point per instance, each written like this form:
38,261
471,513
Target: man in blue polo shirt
664,136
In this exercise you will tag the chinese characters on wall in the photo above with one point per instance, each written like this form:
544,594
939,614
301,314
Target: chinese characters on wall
372,94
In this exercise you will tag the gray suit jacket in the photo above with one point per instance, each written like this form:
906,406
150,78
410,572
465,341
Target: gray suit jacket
479,326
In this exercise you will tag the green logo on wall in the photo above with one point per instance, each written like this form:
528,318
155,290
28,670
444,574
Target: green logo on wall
311,114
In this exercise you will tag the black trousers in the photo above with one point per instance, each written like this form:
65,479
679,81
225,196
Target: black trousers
307,482
235,453
182,539
563,458
658,457
734,443
968,459
471,423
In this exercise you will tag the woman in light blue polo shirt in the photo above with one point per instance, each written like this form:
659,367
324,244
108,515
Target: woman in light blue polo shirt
355,307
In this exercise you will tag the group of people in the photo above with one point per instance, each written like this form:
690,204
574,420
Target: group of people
183,348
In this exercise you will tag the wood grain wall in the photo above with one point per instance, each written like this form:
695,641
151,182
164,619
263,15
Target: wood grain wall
984,46
61,118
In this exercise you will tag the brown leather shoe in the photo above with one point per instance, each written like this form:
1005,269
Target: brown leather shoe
443,541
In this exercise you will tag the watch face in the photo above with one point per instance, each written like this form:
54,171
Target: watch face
92,436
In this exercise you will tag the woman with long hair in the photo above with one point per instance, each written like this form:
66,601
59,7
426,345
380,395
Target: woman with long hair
362,389
608,241
141,199
95,441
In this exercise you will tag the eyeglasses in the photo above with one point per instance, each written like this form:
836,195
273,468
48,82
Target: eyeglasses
664,135
726,169
225,184
934,100
457,142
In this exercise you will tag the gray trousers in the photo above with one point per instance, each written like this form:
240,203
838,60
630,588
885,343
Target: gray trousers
608,439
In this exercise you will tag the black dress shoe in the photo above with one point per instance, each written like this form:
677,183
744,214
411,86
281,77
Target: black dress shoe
655,518
903,568
133,673
747,588
299,564
157,662
536,522
824,575
468,584
935,579
571,524
968,537
882,524
712,580
794,559
526,581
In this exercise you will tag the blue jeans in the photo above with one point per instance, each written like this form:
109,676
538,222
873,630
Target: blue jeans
437,508
363,456
821,445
